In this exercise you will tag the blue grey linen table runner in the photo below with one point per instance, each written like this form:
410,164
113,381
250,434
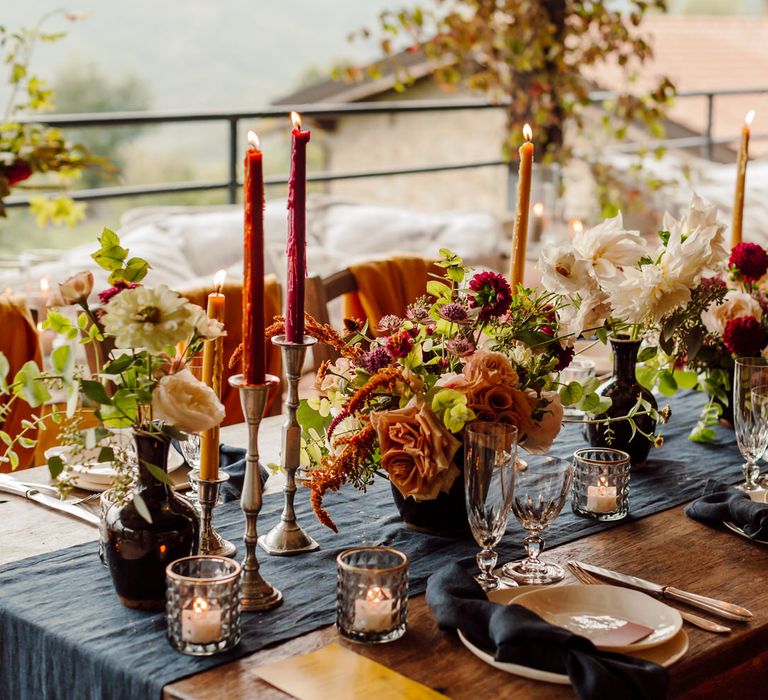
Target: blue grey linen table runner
64,635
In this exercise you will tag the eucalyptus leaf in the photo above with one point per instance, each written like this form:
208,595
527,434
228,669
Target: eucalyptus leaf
95,391
5,367
55,466
686,379
29,386
667,383
158,473
647,353
141,507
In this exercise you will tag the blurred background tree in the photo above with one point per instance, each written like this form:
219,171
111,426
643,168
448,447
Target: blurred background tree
532,56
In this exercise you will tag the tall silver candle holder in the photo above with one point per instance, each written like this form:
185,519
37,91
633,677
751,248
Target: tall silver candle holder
255,592
287,537
211,542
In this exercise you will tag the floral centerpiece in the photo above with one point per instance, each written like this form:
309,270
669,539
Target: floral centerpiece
619,284
396,405
731,322
148,335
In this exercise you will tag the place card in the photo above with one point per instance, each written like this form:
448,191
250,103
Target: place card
628,633
341,674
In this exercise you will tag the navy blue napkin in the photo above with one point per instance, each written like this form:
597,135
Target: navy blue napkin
515,635
232,461
721,503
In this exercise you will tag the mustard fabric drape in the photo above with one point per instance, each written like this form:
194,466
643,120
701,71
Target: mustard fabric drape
233,322
19,343
387,287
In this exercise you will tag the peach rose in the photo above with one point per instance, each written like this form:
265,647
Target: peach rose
505,404
735,304
74,290
416,451
488,368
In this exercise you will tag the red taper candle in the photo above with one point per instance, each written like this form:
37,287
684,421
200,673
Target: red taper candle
296,248
254,363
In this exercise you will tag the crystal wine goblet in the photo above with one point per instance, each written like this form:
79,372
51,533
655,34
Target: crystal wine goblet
749,416
541,490
489,477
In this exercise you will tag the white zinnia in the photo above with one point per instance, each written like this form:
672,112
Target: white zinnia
608,246
145,317
563,270
735,304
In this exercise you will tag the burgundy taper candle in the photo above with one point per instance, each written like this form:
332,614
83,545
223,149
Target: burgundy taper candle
296,248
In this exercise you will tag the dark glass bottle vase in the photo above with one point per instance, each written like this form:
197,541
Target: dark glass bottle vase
445,515
623,390
137,551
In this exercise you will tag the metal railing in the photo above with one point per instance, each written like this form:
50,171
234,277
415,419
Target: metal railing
232,184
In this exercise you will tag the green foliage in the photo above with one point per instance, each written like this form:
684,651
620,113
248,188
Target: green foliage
36,148
28,384
709,418
113,258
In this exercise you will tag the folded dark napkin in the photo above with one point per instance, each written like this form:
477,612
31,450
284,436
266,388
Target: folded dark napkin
232,461
515,635
722,503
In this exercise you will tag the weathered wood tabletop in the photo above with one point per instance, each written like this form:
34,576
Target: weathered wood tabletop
667,547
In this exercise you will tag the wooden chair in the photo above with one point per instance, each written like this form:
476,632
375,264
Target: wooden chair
233,322
370,290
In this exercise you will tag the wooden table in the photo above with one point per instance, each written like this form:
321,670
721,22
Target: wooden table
666,547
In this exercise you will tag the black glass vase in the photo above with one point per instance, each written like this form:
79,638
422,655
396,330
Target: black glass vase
138,550
623,389
445,515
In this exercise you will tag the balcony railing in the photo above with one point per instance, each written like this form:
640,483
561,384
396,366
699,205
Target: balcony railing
706,141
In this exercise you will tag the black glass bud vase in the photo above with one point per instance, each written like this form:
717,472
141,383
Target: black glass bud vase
623,390
137,550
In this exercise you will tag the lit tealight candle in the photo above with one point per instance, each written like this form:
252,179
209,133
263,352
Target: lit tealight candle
200,625
374,613
575,226
601,498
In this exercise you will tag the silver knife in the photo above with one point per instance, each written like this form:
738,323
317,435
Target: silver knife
716,607
10,485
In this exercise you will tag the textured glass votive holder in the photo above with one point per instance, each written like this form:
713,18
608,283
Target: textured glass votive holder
202,604
600,483
372,594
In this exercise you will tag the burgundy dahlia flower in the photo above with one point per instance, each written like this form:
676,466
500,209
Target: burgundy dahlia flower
745,336
399,344
493,295
749,260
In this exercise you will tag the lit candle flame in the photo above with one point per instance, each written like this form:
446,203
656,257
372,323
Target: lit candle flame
376,594
8,291
750,116
296,119
218,280
527,132
538,209
45,285
199,605
253,139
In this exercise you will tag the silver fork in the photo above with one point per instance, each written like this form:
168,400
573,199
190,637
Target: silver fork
90,498
589,579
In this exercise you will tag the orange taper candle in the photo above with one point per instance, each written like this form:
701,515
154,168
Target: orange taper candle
519,239
213,372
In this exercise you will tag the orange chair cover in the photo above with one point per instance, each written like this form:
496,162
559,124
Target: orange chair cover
233,322
387,287
19,343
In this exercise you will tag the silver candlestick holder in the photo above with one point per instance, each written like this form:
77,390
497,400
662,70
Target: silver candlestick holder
255,592
211,542
287,537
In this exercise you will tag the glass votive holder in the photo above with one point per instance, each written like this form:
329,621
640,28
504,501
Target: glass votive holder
202,604
579,370
600,483
372,594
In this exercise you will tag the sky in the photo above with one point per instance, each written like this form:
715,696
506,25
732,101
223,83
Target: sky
205,54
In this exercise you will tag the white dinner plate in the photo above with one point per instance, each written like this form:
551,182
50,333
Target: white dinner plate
590,610
664,654
739,531
100,477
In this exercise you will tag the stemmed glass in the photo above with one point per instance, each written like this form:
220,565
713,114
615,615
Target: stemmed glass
489,479
750,415
541,490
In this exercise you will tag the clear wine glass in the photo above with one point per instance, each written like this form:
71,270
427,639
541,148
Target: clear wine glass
541,489
750,415
489,478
